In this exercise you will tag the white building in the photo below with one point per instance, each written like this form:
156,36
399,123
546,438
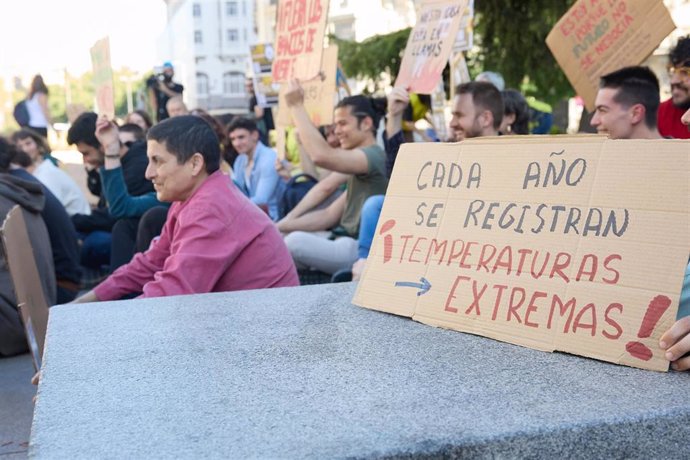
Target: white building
208,43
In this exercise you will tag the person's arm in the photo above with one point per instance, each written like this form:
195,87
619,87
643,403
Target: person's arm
321,219
168,91
398,99
86,298
345,161
676,341
314,197
305,161
120,202
43,102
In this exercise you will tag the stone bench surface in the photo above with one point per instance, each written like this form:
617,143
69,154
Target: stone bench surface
302,373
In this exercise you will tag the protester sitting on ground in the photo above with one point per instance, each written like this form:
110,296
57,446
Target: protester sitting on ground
176,107
57,180
626,104
515,113
477,111
254,170
214,239
139,118
130,133
359,157
671,111
63,237
29,196
95,229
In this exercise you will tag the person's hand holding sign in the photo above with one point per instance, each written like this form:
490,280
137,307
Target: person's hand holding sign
398,100
295,94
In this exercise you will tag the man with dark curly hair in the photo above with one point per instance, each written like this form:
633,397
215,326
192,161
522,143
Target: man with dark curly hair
672,110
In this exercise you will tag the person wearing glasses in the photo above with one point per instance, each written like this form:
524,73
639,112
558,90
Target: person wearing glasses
672,110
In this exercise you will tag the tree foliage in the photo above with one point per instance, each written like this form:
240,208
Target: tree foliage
510,38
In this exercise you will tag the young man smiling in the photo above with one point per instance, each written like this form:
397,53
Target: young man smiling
310,241
214,239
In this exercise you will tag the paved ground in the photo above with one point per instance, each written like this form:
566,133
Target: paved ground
16,406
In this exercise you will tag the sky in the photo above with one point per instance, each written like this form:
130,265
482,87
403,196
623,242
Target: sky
46,36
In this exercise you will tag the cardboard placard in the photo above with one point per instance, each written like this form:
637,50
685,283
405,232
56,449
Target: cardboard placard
265,90
429,45
465,38
319,93
300,29
31,301
568,243
597,37
103,77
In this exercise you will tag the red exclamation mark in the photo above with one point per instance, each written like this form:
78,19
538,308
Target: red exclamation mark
387,240
655,310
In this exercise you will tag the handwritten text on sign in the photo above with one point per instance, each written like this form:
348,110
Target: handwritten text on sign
299,39
558,243
596,37
430,44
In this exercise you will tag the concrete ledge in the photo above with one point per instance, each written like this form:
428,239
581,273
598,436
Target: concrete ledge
301,373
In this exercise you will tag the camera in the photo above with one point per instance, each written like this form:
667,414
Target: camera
153,80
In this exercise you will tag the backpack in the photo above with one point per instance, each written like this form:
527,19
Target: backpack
21,113
293,192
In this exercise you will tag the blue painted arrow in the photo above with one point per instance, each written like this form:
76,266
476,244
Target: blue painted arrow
424,286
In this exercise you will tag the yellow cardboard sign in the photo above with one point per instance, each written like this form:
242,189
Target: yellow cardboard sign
300,29
430,44
319,93
569,243
103,77
596,37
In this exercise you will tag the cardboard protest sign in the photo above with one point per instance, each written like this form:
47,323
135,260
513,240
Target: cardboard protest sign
300,29
31,301
465,38
430,44
103,77
569,243
265,90
597,37
319,93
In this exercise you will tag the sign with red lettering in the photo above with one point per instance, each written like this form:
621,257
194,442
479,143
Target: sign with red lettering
103,77
430,44
568,243
596,37
300,29
319,94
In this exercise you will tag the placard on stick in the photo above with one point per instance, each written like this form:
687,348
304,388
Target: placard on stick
595,38
31,301
300,29
430,44
103,77
319,93
265,90
569,243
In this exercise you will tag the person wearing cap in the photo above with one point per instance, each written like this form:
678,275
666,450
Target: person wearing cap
162,88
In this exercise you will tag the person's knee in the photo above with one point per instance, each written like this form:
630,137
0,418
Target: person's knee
373,204
295,243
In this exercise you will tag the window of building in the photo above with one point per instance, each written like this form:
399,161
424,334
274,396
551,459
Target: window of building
202,85
233,83
231,8
233,35
196,10
244,8
244,31
197,36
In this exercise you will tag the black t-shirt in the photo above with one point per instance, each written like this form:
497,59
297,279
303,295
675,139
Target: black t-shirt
162,98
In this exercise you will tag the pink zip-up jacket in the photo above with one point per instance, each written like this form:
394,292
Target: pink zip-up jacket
215,241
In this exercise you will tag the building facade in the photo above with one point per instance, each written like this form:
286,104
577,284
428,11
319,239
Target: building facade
208,42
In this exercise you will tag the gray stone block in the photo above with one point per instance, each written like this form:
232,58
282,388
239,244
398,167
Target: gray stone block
302,373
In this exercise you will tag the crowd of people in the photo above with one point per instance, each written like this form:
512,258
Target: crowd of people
188,205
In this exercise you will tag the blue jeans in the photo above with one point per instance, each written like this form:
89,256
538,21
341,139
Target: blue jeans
371,210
